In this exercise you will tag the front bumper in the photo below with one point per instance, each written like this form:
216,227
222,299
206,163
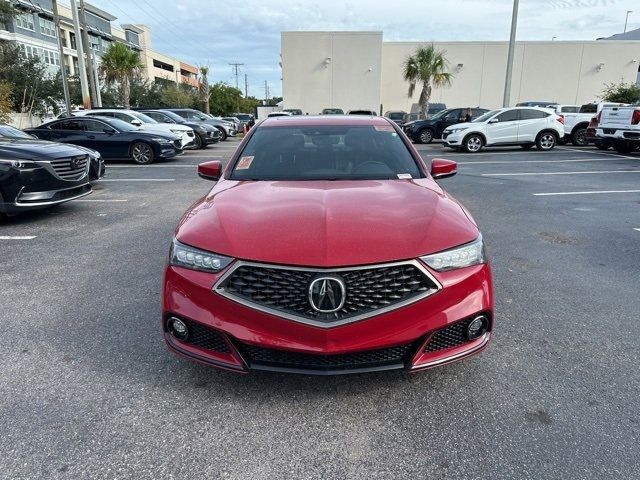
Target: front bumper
452,139
242,339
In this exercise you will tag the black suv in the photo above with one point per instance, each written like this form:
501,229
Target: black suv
425,131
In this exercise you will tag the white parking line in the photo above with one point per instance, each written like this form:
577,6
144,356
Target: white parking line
515,152
555,173
139,180
611,154
194,166
17,237
584,193
102,200
522,162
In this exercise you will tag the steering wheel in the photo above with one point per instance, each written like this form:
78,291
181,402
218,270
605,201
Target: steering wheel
370,162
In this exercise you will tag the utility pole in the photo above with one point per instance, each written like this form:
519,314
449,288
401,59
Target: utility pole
90,68
246,86
236,69
266,92
82,69
60,33
626,20
512,44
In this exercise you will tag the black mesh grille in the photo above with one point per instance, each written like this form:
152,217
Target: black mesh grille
367,290
365,359
70,168
205,337
449,337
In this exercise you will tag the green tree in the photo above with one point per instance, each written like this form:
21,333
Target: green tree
205,91
6,101
7,12
427,66
119,65
621,93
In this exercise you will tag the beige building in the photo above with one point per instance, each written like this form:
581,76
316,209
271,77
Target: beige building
357,70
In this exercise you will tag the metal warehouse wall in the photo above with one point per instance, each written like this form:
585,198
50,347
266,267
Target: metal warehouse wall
566,72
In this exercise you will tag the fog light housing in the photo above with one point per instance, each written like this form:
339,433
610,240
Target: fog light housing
178,328
477,327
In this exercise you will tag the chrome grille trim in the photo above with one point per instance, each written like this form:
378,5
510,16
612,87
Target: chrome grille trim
220,290
64,169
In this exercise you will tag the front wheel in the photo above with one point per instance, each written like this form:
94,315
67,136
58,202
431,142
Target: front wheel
425,136
142,153
579,137
197,142
473,143
223,133
546,141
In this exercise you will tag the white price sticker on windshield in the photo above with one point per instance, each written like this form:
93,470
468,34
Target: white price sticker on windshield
405,176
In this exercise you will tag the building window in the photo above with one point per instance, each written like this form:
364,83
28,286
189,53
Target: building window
47,27
106,45
25,20
29,51
72,40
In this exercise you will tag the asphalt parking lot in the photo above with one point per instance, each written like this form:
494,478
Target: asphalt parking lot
89,390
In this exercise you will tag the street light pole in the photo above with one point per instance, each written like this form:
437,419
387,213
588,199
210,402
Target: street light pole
626,20
63,70
512,44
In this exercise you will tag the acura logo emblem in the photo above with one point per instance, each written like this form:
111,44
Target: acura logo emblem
327,294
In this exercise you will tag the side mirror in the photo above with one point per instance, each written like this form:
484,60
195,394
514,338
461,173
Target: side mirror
109,131
494,120
210,170
443,168
135,122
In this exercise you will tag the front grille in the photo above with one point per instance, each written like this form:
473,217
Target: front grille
285,292
72,168
385,357
205,337
449,337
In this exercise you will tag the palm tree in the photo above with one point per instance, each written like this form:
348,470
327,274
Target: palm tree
119,65
428,66
204,88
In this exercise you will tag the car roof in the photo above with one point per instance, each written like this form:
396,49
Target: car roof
319,120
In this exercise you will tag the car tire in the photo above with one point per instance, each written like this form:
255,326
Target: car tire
622,147
142,153
223,133
579,137
425,136
528,146
472,143
198,142
546,141
601,145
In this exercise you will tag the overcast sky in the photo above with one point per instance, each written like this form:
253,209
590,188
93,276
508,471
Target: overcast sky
217,32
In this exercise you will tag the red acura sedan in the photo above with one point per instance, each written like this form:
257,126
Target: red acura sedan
327,247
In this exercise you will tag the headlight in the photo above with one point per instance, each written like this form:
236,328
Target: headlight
177,132
464,256
164,141
457,129
19,163
188,257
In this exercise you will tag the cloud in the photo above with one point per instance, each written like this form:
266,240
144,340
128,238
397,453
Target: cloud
220,32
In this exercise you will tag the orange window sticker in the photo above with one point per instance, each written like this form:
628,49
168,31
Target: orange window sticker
244,163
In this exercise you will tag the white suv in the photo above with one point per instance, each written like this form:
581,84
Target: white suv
524,126
145,122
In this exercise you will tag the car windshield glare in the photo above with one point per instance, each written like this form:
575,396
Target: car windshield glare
328,152
122,125
485,117
11,132
143,118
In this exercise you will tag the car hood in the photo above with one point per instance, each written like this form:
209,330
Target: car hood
33,149
326,223
164,127
459,125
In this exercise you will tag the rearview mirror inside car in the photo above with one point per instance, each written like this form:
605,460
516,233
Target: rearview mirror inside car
443,168
210,170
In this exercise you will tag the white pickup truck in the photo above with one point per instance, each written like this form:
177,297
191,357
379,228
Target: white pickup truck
575,124
621,126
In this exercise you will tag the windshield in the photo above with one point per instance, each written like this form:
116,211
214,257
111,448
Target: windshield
122,125
143,118
441,113
327,152
10,132
485,117
244,117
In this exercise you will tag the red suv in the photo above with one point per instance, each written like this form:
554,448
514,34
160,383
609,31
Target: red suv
326,247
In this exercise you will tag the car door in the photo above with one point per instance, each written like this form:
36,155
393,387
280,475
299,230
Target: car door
451,118
98,136
530,123
68,130
503,128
